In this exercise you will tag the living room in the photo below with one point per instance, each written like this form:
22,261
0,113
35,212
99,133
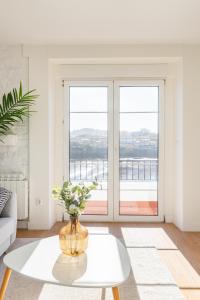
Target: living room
99,139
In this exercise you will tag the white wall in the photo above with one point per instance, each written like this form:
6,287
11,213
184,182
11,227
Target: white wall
181,188
41,146
191,138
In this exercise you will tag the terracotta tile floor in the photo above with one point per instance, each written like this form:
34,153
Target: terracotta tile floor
147,208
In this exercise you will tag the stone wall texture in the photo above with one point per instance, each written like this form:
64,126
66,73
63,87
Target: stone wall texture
13,69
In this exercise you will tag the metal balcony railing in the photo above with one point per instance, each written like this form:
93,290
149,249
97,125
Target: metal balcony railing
130,170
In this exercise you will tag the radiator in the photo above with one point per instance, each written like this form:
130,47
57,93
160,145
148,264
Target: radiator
19,185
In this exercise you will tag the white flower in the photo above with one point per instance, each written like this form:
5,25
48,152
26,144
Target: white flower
73,209
72,206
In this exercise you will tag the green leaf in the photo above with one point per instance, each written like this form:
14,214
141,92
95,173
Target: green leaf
15,107
20,90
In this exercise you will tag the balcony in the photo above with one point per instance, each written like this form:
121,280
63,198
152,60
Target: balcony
138,185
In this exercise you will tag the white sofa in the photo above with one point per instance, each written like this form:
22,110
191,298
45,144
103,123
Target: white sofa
8,224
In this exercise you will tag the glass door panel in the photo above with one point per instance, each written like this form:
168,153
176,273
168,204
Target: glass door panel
116,140
88,143
138,150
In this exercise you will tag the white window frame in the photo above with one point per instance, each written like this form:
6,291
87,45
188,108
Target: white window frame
161,132
109,85
113,146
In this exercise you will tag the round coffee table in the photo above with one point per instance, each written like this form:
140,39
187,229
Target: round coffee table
105,264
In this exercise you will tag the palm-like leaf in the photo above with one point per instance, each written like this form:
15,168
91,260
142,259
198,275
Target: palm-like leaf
14,107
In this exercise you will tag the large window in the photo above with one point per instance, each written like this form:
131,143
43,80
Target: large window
114,138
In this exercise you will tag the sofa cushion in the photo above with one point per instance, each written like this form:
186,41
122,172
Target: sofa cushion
4,197
4,246
7,227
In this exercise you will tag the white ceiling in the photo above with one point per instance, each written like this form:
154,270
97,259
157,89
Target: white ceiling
99,21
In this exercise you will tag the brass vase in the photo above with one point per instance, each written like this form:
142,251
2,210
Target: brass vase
73,238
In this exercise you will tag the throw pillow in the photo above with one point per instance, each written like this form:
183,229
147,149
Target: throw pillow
4,197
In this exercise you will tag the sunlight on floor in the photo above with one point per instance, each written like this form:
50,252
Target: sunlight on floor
186,277
152,237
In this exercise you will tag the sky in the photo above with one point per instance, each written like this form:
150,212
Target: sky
138,108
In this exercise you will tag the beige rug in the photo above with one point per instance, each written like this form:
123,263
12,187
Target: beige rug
149,280
147,237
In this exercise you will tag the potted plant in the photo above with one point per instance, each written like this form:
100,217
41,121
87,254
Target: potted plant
73,237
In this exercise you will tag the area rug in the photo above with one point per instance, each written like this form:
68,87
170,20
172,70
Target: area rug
147,237
149,280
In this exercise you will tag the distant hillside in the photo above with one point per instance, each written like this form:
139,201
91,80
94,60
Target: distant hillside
88,143
88,132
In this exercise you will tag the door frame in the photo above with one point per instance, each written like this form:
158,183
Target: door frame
100,83
113,145
161,137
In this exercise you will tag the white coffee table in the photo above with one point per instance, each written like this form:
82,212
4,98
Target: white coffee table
105,264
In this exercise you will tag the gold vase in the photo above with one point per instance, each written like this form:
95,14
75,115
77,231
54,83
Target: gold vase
73,238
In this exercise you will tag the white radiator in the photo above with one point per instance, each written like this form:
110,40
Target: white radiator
19,185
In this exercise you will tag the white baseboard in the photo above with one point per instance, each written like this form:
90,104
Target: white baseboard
22,224
188,227
169,218
191,227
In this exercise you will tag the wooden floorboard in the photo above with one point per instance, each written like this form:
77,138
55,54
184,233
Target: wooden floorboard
183,263
180,268
191,294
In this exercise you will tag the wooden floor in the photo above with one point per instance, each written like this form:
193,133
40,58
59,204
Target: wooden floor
184,262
